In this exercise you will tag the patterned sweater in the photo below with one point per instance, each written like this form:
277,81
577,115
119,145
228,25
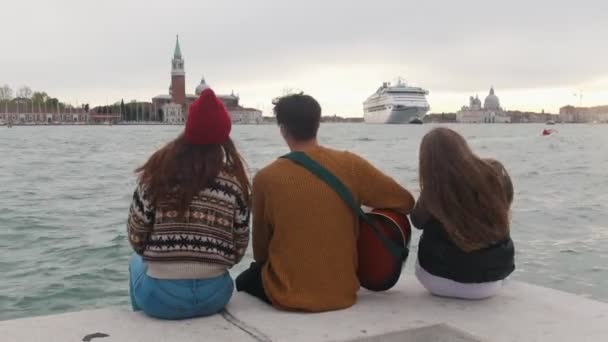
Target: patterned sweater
211,237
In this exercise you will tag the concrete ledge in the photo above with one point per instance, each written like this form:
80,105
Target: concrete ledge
521,312
435,333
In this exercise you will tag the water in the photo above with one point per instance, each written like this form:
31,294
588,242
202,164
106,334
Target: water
65,193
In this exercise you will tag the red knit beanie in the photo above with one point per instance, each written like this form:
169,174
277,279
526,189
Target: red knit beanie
208,120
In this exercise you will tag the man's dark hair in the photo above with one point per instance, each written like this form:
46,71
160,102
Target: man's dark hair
300,115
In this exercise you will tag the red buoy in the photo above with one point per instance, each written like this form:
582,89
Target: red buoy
548,131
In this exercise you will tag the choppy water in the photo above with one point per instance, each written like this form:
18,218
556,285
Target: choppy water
65,191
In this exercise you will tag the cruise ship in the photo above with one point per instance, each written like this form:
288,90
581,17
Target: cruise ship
396,104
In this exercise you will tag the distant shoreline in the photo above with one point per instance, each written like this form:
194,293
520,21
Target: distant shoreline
272,123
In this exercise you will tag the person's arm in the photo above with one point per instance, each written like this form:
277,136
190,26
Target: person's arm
241,226
262,230
141,220
378,190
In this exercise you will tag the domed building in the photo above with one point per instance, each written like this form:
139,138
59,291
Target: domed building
491,112
238,113
199,88
491,102
174,106
475,103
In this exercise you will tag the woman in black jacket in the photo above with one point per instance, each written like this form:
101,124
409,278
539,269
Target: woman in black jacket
465,250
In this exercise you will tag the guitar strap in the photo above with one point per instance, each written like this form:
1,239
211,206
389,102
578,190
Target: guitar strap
302,159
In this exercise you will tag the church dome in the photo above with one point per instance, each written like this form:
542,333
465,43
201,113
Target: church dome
201,87
491,102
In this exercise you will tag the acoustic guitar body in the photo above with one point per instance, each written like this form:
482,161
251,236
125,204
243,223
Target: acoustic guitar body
379,269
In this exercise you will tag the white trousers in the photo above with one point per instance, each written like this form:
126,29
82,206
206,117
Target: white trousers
448,288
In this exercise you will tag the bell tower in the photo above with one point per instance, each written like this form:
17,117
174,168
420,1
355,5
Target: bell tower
178,76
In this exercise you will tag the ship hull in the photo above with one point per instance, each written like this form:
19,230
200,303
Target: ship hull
395,116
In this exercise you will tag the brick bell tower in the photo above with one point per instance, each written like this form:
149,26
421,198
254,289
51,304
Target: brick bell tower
178,76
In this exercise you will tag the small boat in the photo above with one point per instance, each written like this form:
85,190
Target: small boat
415,121
548,131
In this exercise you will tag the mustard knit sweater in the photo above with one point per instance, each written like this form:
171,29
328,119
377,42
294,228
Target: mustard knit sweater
306,236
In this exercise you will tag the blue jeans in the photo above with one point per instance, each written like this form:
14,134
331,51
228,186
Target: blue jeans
176,299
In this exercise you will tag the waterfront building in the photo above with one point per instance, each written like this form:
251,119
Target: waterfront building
238,113
173,113
583,114
105,115
24,111
531,117
440,118
491,112
173,107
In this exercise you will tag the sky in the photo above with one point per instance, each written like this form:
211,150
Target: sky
538,54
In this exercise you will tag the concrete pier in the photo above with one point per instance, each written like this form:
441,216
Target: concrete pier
522,312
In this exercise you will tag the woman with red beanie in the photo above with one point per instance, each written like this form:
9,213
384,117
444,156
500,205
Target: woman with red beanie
189,218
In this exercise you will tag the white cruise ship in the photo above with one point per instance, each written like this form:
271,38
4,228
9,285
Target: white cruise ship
396,104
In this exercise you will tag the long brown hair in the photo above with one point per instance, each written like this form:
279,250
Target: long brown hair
180,170
470,196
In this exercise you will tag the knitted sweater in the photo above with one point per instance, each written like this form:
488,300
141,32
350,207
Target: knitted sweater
211,237
306,236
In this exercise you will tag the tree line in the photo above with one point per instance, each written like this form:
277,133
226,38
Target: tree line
33,98
132,111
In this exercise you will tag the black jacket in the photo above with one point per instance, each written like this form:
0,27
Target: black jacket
439,256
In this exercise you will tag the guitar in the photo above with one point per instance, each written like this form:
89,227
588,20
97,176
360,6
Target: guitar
379,267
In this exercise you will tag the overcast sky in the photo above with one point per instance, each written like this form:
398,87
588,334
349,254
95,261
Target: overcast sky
536,53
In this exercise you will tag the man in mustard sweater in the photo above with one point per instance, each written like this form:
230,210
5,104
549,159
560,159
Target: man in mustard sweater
304,235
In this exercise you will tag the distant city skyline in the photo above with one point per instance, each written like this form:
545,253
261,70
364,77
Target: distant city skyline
538,55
